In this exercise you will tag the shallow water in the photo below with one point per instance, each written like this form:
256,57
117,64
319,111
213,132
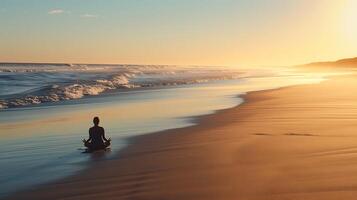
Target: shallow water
43,143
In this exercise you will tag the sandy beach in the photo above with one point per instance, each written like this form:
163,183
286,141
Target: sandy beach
178,100
292,143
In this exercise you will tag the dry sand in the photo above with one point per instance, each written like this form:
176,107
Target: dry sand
292,143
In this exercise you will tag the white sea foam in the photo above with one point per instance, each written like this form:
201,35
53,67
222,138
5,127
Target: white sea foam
58,82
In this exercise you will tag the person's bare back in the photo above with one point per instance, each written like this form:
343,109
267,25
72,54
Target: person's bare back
97,139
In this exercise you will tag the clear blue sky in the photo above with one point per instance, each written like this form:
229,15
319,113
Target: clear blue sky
207,32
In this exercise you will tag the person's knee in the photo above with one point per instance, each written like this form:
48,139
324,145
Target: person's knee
87,144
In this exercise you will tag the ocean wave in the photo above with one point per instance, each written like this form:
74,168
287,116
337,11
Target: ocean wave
117,77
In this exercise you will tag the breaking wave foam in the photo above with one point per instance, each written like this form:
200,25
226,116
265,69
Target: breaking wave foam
101,78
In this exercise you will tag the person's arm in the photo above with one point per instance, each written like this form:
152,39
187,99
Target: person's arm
104,138
89,139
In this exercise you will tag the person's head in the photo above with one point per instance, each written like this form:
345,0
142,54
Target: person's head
96,121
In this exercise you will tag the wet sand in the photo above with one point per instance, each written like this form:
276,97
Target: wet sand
292,143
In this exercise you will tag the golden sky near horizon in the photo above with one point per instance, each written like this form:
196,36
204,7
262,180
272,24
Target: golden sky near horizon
182,32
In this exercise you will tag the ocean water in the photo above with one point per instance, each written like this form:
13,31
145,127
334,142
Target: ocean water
30,84
47,109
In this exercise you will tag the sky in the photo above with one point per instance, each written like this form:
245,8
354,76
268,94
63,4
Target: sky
178,32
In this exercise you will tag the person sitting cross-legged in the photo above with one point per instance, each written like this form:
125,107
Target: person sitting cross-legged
97,139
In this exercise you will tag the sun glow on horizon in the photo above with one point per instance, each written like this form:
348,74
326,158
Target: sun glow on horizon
349,22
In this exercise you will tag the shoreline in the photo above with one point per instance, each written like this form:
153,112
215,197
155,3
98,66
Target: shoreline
131,140
153,160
